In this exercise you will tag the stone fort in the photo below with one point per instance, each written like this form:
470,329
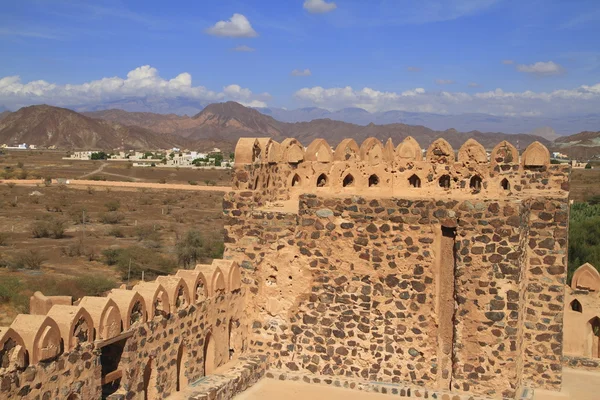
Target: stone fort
373,267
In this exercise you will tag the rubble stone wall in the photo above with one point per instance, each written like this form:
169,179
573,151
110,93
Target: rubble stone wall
350,287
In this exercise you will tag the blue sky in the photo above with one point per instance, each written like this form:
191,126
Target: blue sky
538,57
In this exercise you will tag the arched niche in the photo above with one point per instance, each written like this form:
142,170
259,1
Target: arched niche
593,338
576,306
347,150
348,180
414,181
150,381
472,152
235,339
232,272
586,277
319,151
445,181
476,183
177,290
156,298
75,324
292,150
244,151
440,152
371,151
374,180
105,314
216,279
196,283
13,354
40,334
274,152
210,355
182,361
296,181
322,180
536,155
132,306
505,184
409,150
504,153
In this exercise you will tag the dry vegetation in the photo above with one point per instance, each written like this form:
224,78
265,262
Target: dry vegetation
38,164
84,241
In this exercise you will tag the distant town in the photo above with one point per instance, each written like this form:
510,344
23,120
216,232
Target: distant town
174,157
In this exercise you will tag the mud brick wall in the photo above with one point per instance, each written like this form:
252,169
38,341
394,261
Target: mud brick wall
356,287
155,347
77,372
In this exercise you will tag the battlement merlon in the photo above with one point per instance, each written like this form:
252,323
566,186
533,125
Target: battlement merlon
57,326
281,171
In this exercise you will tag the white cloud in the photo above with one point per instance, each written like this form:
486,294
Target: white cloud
319,6
541,68
581,100
508,62
140,82
474,84
444,81
413,69
237,26
299,72
243,48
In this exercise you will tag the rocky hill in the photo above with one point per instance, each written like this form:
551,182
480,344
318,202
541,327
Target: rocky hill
217,125
52,126
230,121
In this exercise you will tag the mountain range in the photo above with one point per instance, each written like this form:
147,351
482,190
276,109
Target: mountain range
462,122
221,124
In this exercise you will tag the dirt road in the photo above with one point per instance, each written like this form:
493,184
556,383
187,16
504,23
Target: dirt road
116,185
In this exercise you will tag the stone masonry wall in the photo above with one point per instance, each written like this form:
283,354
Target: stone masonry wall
157,344
75,373
359,282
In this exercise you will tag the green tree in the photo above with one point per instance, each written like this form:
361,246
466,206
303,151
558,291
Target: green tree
100,155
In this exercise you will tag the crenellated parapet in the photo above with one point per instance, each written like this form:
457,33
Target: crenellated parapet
66,327
280,171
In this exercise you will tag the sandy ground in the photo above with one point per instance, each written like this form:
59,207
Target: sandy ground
272,389
113,184
577,385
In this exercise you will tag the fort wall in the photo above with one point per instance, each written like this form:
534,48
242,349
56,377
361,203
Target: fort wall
456,286
168,333
441,273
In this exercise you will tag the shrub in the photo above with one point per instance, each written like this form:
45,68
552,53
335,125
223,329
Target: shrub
10,185
20,165
193,183
588,166
113,205
147,232
3,239
9,287
54,228
78,215
142,259
116,232
91,190
162,180
111,256
112,217
30,259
